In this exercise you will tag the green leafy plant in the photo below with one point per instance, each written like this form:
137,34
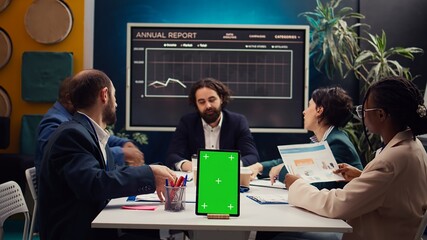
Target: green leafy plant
333,43
334,48
373,65
138,137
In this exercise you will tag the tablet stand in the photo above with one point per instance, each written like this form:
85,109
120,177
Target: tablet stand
218,216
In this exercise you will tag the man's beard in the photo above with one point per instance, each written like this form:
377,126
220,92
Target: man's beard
211,115
109,114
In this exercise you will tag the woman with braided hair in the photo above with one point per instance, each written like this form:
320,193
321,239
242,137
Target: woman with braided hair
388,198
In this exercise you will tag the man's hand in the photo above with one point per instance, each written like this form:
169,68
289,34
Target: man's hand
290,179
347,171
187,166
274,172
133,156
256,168
161,173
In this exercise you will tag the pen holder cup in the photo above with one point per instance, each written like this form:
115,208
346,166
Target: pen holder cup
175,199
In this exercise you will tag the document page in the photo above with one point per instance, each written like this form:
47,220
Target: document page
267,183
313,162
278,198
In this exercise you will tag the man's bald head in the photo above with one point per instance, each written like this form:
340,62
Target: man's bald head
85,87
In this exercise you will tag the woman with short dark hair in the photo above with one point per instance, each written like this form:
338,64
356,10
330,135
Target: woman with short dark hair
328,110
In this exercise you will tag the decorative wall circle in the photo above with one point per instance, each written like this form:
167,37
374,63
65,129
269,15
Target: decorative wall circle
48,21
4,4
5,48
5,104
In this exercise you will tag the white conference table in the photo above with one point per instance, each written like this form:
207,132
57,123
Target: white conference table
253,217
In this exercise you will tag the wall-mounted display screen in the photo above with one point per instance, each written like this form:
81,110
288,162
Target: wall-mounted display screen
265,66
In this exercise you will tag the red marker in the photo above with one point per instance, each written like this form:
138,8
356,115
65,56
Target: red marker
179,182
173,183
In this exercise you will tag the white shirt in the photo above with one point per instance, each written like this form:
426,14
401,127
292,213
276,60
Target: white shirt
212,135
102,135
325,135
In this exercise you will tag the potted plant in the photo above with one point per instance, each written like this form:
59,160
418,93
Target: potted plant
137,137
335,49
373,65
333,43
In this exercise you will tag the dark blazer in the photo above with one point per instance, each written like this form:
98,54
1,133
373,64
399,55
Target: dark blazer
56,115
75,183
342,149
234,135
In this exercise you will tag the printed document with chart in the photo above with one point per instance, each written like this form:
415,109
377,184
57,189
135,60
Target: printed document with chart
314,162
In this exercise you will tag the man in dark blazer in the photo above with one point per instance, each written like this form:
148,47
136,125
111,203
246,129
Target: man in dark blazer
123,150
78,173
210,127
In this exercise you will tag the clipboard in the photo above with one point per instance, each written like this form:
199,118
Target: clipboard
218,190
270,198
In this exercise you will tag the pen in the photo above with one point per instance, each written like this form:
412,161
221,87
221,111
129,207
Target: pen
185,180
273,180
166,183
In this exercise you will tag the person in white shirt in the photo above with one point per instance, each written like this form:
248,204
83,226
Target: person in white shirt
211,126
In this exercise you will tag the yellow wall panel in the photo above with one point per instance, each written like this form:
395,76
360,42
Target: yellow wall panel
12,21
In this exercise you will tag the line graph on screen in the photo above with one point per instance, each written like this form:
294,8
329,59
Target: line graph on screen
265,67
252,74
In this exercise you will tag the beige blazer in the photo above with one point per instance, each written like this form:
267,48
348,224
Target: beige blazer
386,202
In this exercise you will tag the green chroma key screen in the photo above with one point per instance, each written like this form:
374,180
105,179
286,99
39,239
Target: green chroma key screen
218,182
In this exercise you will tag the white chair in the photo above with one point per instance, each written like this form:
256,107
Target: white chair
30,174
12,202
421,227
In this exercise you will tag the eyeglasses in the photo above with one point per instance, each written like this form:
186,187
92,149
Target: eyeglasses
361,113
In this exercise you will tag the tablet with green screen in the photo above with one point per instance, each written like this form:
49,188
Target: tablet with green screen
218,173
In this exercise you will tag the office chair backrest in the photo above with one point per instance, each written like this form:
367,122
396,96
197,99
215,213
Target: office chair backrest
421,227
12,202
30,174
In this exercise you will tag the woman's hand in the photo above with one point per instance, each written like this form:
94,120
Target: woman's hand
290,179
347,171
274,172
